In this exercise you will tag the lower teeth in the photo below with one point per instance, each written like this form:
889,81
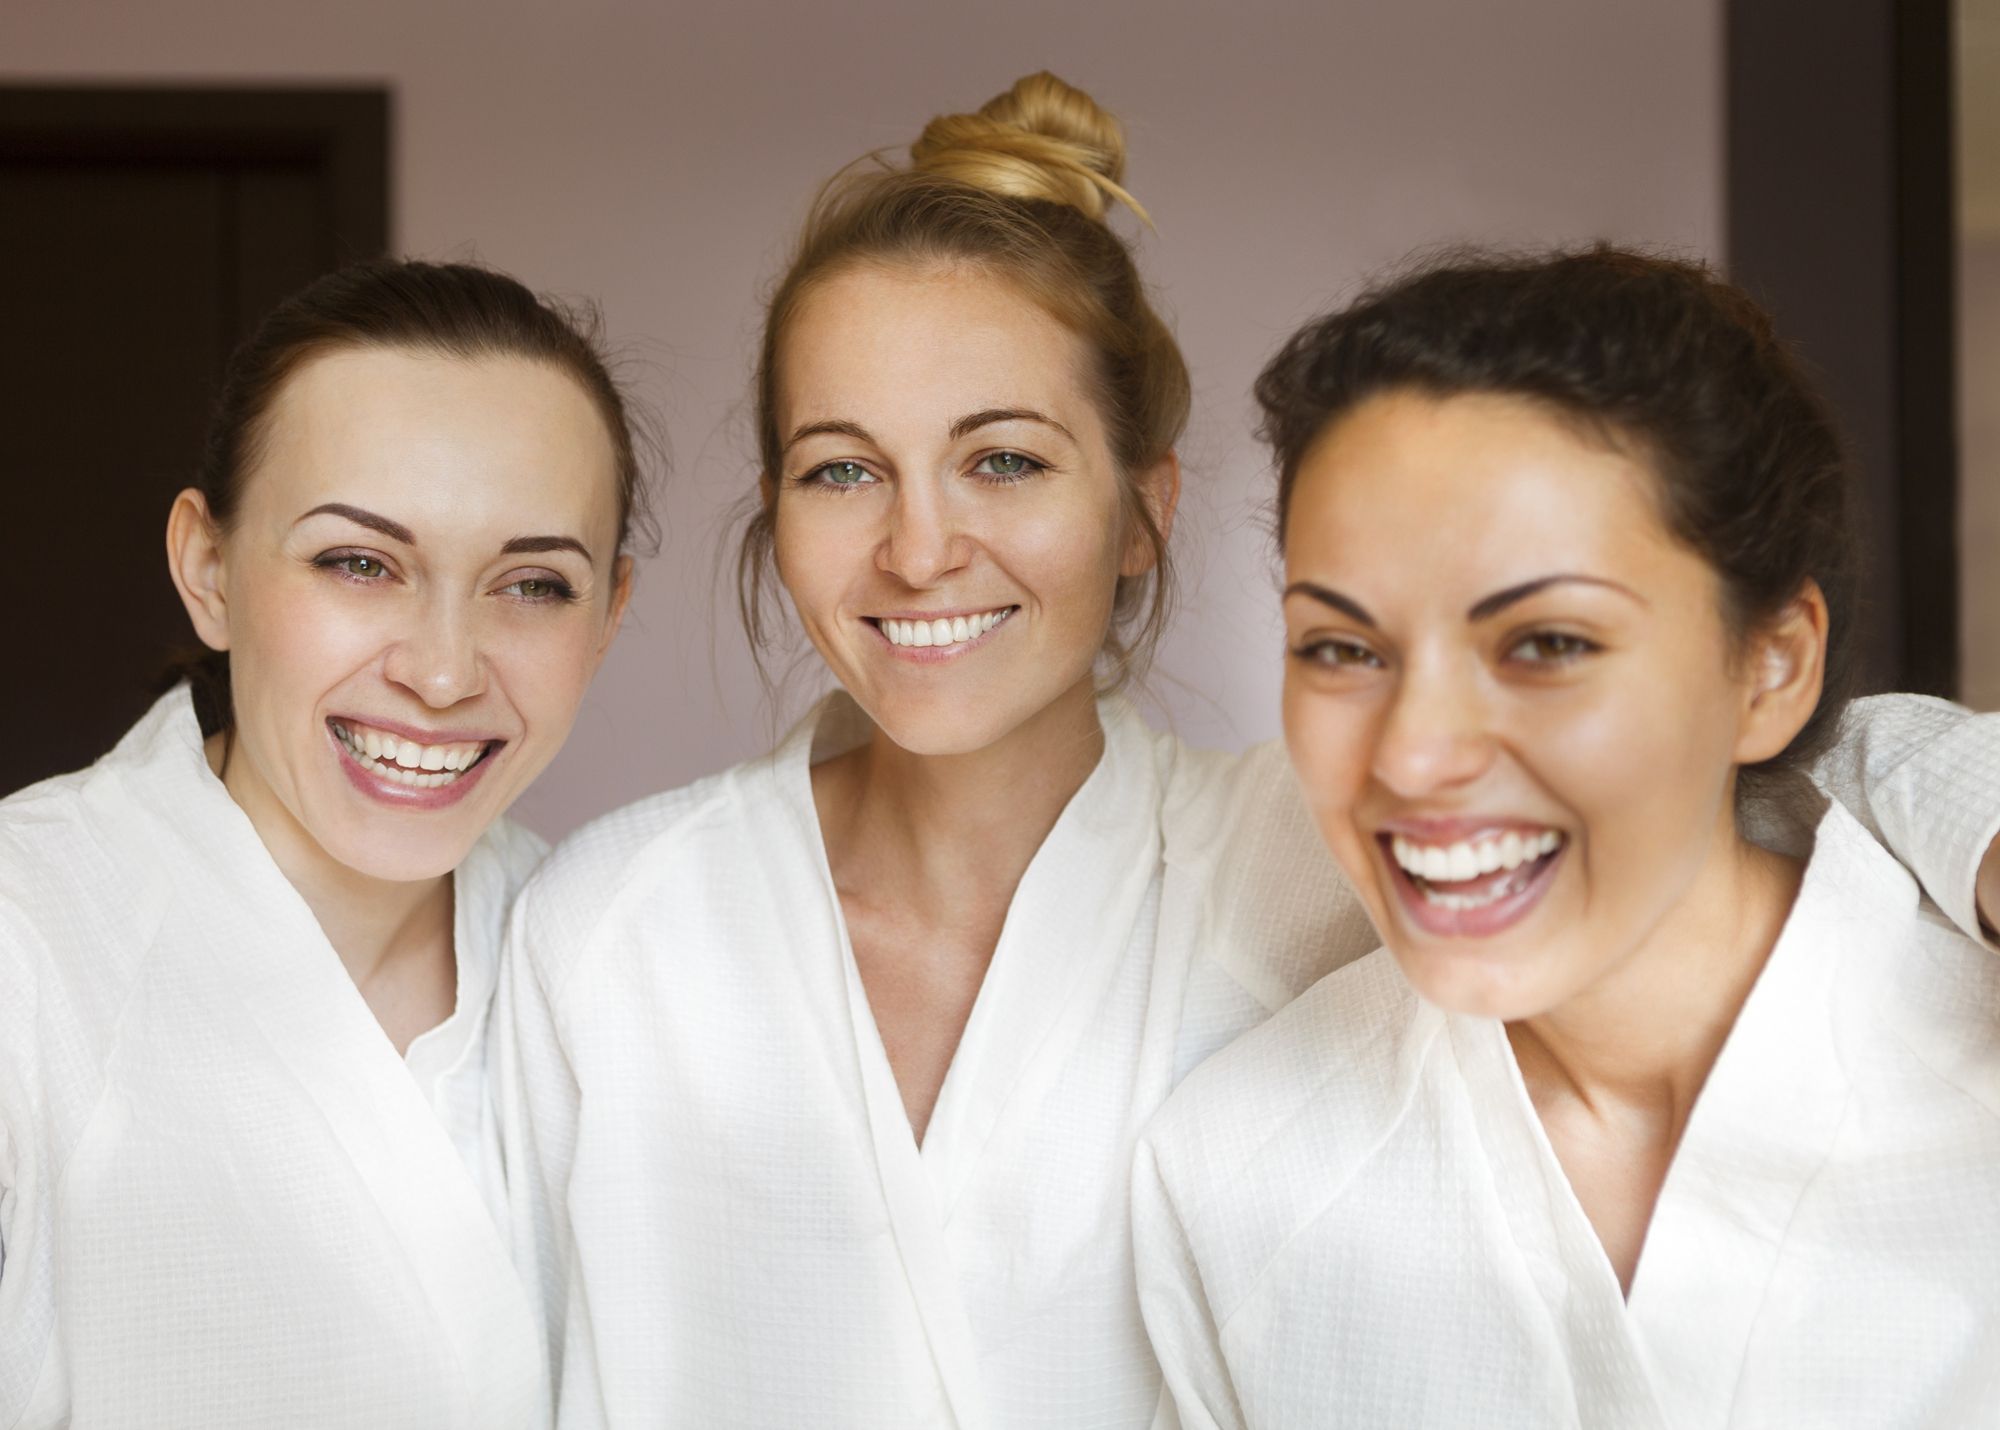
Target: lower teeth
1459,903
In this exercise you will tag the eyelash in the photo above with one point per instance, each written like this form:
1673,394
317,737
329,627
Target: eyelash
1335,654
815,477
337,562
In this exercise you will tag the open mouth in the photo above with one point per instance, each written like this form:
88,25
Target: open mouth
1474,886
940,632
399,761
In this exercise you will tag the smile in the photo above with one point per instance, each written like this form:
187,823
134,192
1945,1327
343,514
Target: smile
1474,887
942,633
387,758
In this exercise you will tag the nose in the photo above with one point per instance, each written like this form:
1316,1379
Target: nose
440,660
924,542
1435,735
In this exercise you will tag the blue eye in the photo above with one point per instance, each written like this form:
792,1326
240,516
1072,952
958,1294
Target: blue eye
1008,466
1551,648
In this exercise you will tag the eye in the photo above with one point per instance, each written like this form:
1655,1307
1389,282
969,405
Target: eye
1551,648
354,565
1008,466
541,590
1336,654
842,474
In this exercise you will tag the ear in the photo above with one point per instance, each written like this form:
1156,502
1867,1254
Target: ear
1786,668
621,596
194,560
1159,487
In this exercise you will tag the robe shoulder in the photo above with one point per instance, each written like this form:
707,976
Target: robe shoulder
589,874
1322,1084
1278,913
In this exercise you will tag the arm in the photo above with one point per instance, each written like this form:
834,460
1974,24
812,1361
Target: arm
1924,776
1178,1319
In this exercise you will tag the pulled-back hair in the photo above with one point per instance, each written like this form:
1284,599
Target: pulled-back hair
1021,189
456,310
1752,474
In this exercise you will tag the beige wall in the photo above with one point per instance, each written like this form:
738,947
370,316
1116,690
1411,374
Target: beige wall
657,155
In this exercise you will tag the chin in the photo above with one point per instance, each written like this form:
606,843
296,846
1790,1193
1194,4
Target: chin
403,848
1470,983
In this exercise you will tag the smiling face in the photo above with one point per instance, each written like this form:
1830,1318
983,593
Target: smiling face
1510,695
420,580
949,523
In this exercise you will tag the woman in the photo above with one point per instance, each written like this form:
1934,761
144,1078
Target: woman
249,1170
833,1063
1634,1122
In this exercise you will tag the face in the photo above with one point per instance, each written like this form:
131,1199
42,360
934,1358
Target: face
1510,694
419,584
949,521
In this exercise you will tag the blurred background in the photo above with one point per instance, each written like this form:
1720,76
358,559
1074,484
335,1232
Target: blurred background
169,170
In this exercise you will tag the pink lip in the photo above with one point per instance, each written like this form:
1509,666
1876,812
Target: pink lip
941,615
1452,829
1482,922
407,797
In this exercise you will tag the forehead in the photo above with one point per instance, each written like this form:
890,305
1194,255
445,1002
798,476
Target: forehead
1475,489
441,441
901,344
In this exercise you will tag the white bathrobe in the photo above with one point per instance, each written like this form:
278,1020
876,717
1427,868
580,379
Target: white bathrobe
1353,1216
224,1200
732,1221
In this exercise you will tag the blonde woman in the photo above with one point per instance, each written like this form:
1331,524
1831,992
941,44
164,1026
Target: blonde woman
831,1066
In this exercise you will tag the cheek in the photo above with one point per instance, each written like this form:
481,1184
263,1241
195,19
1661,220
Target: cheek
1328,738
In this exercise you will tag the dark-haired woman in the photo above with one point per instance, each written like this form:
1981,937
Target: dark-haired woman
834,1063
249,1173
1633,1122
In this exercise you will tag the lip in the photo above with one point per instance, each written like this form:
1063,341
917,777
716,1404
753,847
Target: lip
938,655
1485,921
421,737
402,796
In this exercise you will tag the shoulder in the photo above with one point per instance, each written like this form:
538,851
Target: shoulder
1277,911
1328,1073
664,839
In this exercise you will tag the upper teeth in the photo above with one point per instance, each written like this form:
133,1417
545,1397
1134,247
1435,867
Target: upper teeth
1453,863
945,630
405,760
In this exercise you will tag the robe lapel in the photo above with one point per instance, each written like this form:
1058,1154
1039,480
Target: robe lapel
1762,1128
268,956
1068,931
1579,1291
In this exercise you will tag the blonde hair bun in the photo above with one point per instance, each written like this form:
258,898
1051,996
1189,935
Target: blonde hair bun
1042,139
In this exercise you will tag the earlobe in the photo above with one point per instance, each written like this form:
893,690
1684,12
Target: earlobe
1159,487
1788,669
194,560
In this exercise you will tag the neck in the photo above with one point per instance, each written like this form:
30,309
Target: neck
1645,1036
948,823
372,923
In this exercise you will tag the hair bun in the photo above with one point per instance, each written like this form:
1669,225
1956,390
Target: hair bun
1042,139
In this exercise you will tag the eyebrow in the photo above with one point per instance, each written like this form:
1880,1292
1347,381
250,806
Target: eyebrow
972,422
545,543
1499,601
1327,596
394,530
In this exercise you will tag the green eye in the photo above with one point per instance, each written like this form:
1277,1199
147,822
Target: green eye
844,474
1007,466
363,566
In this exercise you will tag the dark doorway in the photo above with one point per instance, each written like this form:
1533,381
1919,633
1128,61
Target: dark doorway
143,233
1841,219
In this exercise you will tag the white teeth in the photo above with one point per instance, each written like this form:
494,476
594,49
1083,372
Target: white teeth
405,762
1456,863
940,631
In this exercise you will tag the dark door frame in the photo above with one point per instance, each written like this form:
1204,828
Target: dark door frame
342,132
1841,218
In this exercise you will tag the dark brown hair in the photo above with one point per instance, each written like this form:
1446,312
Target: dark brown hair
1752,473
1021,189
456,310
